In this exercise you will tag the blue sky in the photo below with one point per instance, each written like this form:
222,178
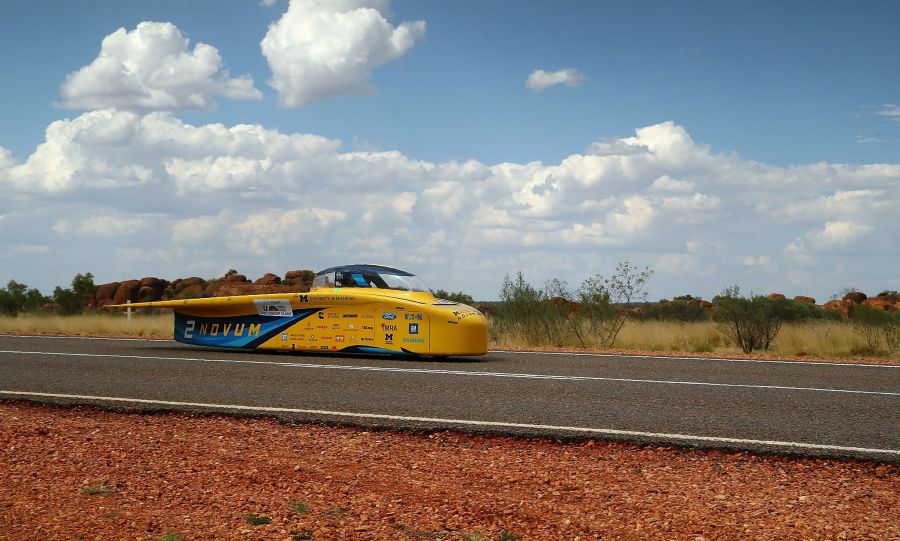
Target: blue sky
785,85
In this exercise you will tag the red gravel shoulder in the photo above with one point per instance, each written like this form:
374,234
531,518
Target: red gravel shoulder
82,473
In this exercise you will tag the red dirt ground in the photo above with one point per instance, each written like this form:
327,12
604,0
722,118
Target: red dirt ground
177,476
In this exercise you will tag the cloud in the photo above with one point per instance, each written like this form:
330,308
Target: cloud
153,68
111,226
891,111
541,80
259,200
32,249
321,49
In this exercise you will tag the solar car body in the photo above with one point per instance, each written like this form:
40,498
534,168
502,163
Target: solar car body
369,309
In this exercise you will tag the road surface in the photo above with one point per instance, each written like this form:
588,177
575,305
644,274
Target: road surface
820,409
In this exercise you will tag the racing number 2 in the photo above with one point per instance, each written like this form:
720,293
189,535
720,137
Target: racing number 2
189,329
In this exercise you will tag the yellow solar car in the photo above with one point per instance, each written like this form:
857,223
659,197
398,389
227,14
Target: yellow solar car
351,309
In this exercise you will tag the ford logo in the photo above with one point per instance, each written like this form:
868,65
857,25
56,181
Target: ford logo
389,316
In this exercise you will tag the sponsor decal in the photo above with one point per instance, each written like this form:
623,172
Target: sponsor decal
335,326
221,329
386,327
413,340
343,298
339,338
412,316
388,338
368,328
334,316
413,328
463,315
351,326
273,307
350,316
324,347
284,337
303,298
323,327
321,315
389,316
326,338
312,337
367,339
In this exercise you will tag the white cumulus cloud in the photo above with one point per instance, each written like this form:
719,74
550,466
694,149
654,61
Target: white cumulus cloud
540,80
259,200
153,68
890,110
320,49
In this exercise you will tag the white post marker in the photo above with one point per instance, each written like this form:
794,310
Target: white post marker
128,312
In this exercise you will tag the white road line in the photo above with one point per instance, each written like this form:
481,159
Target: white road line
467,422
563,353
472,373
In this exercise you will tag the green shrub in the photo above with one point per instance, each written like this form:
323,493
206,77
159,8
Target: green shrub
526,309
751,323
456,296
679,309
876,326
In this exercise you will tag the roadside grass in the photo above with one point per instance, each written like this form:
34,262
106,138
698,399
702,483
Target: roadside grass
336,512
813,339
299,507
301,535
96,490
171,536
113,323
257,520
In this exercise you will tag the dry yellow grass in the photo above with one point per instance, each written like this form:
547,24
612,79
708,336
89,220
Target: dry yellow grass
818,339
101,324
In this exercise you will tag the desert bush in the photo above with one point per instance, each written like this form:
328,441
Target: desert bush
526,310
604,300
72,301
876,327
456,296
751,323
678,309
16,298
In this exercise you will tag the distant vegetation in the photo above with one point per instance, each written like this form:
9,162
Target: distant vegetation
603,312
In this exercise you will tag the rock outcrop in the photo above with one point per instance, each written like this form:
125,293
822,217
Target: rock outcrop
808,300
268,279
881,303
856,297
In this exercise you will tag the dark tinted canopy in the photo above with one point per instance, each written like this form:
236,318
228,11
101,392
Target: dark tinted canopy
365,269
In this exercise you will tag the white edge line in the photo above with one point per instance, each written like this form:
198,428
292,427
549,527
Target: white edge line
516,352
469,422
469,373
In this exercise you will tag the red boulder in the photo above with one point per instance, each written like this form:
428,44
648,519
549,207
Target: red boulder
268,279
856,297
127,291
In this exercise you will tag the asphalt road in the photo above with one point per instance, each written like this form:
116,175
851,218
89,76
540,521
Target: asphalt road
837,410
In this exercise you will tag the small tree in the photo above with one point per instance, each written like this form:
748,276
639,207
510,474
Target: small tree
603,301
18,297
73,300
752,323
874,325
524,308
